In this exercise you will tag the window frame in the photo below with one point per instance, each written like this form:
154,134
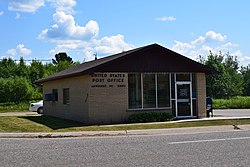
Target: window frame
156,92
54,95
66,96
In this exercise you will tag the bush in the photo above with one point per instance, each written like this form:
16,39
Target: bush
150,117
238,102
15,89
11,106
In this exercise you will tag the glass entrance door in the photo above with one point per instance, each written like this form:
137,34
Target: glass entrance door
183,100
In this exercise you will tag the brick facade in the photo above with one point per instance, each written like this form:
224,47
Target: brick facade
201,94
78,108
108,98
102,98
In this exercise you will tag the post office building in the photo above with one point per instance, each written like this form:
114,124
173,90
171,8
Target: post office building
146,79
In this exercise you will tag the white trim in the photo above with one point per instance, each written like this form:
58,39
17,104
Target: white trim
191,98
170,89
191,94
142,92
176,107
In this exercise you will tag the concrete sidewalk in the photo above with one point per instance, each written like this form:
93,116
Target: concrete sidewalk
169,131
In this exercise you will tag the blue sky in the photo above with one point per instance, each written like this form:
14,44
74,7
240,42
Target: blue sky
38,29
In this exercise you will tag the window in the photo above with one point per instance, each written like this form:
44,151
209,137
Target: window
182,77
55,94
149,90
66,96
163,90
48,97
134,91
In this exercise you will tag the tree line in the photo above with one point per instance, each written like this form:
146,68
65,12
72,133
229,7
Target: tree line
17,79
231,80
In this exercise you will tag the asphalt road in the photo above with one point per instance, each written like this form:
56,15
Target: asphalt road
232,113
217,149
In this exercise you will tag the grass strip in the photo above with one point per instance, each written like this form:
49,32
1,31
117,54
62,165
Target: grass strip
51,124
13,107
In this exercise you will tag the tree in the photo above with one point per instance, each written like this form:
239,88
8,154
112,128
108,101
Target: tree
36,71
7,68
15,89
61,56
229,81
63,65
245,71
22,69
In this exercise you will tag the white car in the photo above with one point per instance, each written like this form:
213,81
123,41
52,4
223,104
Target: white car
37,107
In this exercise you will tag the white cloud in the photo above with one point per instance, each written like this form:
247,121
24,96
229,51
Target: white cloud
20,50
70,36
113,44
29,6
63,5
168,18
211,41
1,13
86,48
65,27
215,36
244,60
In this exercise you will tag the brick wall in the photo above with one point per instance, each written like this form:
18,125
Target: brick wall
108,98
77,109
201,94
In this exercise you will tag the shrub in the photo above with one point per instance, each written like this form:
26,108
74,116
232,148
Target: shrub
11,106
15,89
150,117
237,102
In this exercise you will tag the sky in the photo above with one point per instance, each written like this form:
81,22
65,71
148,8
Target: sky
39,29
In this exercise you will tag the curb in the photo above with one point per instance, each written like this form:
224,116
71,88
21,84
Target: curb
63,134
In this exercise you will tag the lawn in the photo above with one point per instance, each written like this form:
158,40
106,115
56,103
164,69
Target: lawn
13,107
51,124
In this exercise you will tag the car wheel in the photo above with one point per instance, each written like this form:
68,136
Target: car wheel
40,110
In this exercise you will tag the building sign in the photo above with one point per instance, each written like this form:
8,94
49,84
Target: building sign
104,80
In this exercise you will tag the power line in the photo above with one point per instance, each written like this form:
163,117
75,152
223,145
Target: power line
48,60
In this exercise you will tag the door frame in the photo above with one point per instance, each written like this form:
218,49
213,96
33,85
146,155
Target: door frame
191,98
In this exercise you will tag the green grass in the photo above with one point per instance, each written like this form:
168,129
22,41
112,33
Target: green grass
51,124
13,107
238,102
